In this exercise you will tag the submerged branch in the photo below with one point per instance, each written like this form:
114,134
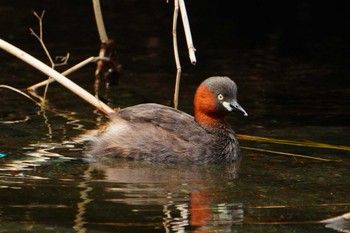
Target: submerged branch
290,154
292,143
298,206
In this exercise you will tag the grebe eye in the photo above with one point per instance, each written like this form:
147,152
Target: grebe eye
220,97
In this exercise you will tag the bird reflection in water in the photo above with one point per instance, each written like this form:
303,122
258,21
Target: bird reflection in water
184,198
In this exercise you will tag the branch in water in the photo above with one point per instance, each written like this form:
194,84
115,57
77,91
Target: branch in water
57,76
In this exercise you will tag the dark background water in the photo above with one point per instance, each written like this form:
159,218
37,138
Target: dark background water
290,61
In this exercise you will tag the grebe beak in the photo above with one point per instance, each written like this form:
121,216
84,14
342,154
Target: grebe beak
234,106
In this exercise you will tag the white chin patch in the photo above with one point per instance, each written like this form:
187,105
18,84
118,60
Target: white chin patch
227,105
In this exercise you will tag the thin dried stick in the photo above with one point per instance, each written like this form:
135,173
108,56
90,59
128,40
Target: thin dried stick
179,5
22,93
289,154
191,49
176,55
281,223
292,143
40,36
57,76
99,21
298,206
41,40
65,73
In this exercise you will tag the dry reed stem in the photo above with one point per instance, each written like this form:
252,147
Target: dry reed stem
186,24
56,75
176,55
99,21
179,5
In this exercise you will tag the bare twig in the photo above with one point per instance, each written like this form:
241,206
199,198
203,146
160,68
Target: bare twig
63,60
176,55
57,76
41,40
40,36
65,73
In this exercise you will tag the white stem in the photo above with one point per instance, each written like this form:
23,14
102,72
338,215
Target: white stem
191,49
54,74
176,55
65,73
99,21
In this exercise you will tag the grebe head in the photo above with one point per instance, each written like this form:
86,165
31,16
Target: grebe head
214,99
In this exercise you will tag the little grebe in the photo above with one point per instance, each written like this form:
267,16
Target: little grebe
154,132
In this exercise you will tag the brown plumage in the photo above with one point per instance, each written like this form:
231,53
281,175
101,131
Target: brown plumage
154,132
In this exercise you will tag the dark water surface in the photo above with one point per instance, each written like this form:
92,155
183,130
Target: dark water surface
291,64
